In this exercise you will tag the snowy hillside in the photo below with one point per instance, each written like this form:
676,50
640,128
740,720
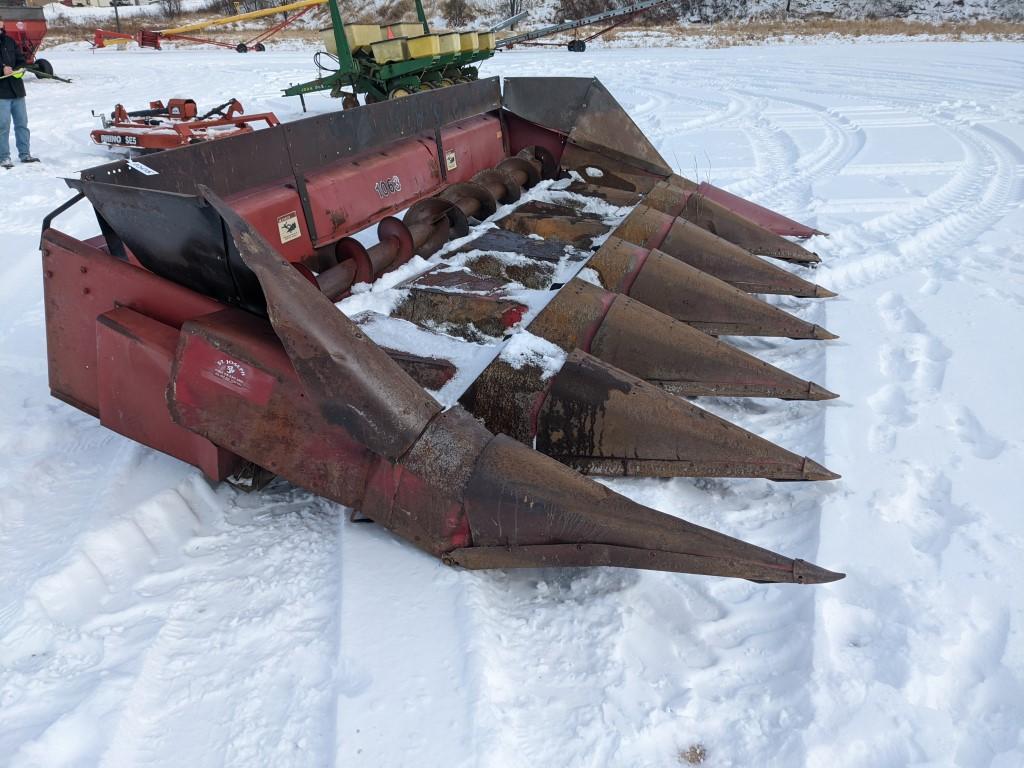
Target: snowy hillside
547,11
149,619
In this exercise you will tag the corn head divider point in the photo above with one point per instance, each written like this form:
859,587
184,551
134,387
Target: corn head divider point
202,322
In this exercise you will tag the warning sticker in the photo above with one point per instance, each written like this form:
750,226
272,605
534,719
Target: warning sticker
450,160
140,167
288,227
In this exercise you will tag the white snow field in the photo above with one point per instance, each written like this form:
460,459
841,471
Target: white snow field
149,619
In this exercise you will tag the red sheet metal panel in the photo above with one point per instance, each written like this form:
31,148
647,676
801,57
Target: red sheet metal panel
80,283
275,211
523,134
233,383
134,355
349,195
471,146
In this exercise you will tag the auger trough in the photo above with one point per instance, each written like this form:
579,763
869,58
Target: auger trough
566,303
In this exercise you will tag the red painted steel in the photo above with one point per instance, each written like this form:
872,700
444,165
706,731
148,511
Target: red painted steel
258,409
305,394
80,283
523,134
134,355
471,146
351,194
171,133
272,210
261,411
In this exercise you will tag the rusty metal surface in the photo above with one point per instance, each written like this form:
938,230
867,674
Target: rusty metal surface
685,361
605,171
533,275
421,497
688,203
475,200
518,501
737,266
584,110
745,233
307,395
603,126
600,420
767,218
507,399
256,406
620,197
501,184
573,229
382,408
429,372
461,280
705,302
617,264
573,316
689,294
470,316
552,102
576,555
709,253
506,241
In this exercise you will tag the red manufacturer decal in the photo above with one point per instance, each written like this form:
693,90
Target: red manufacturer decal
214,366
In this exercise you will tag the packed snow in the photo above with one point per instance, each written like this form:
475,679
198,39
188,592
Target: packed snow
149,619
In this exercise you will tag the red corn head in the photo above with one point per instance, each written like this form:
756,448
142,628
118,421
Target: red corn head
213,284
440,478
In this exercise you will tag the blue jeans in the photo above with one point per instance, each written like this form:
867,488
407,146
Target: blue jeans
13,108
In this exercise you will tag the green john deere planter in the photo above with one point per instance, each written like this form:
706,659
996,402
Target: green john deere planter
391,61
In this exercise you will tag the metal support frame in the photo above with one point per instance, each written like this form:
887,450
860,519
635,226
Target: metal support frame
621,14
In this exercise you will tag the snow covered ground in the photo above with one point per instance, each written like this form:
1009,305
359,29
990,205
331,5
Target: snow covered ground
149,619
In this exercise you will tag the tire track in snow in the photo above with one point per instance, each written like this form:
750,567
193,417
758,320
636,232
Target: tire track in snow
576,617
190,601
602,630
928,233
844,139
945,218
926,653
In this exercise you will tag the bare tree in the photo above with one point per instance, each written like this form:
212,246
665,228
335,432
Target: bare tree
509,8
577,9
171,7
458,13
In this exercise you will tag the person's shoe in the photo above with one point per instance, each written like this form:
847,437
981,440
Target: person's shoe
6,163
29,159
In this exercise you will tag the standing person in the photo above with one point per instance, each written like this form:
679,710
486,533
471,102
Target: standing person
12,102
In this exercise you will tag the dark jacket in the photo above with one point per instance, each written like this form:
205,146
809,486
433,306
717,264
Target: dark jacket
11,56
